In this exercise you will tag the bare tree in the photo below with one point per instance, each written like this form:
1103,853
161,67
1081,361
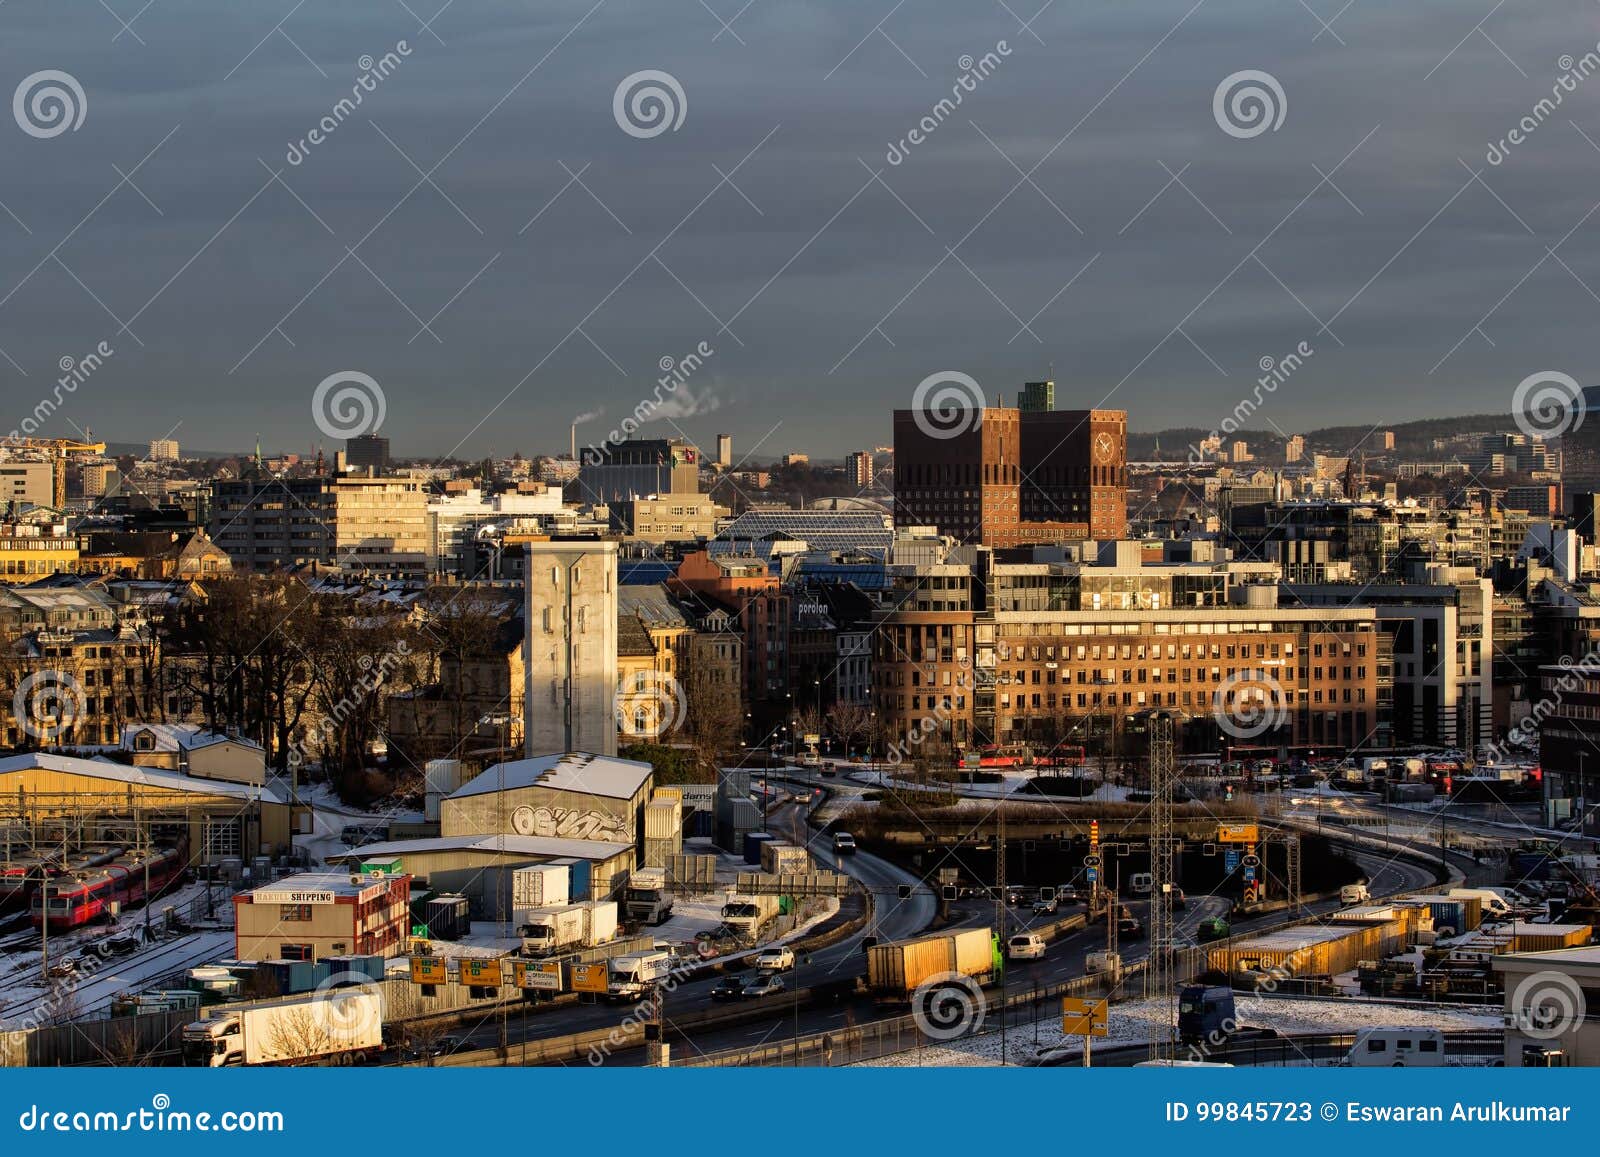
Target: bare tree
297,1032
847,721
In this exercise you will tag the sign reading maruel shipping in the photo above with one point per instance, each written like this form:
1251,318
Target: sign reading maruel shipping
318,897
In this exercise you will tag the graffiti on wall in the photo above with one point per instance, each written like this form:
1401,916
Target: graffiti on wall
570,824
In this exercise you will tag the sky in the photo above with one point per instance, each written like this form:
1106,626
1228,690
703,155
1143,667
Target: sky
499,240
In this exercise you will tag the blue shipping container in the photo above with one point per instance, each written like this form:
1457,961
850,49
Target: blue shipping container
752,846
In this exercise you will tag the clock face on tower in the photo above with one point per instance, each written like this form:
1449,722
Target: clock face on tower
1105,447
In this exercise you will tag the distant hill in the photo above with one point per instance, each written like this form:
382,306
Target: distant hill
1408,436
142,450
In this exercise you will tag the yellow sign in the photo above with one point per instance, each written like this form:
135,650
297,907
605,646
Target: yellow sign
1238,833
539,975
427,970
481,972
591,977
1081,1017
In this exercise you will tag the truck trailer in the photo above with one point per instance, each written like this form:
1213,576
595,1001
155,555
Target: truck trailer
746,916
341,1026
631,977
896,969
569,926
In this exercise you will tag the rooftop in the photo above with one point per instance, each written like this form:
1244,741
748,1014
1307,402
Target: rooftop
541,847
140,776
576,771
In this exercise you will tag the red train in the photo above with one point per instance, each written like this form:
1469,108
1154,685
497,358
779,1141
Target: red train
80,899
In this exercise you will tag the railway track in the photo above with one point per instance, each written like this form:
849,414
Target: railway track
172,957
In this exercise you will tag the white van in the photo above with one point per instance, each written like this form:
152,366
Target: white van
1354,894
1103,963
1025,946
1494,903
1410,1048
1141,883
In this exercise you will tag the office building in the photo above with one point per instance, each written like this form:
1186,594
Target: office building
27,483
381,527
571,667
266,524
164,450
1294,449
637,469
367,452
858,468
1012,478
1037,397
725,450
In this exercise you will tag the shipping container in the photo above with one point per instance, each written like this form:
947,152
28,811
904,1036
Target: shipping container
1307,950
691,873
894,970
354,969
748,915
1548,937
752,846
578,879
778,858
663,820
449,917
542,886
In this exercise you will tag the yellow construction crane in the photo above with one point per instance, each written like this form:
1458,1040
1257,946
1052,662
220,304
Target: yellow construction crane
59,450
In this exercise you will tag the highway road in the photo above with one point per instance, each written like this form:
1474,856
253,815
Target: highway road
894,917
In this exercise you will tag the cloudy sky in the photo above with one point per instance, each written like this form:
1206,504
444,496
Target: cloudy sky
493,243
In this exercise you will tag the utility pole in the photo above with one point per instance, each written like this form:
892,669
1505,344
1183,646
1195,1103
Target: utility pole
1000,913
1160,968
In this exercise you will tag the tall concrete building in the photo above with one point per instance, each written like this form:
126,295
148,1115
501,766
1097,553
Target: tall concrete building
265,523
725,450
1037,397
381,527
571,663
858,468
1294,449
164,450
27,483
1013,478
367,452
637,469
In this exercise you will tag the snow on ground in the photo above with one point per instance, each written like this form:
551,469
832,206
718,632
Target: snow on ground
91,991
1131,1023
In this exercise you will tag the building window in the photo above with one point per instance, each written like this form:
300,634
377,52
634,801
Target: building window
295,952
294,912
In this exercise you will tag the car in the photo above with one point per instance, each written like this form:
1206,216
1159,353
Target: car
730,987
1045,906
1025,946
1129,928
775,959
764,984
1179,900
843,843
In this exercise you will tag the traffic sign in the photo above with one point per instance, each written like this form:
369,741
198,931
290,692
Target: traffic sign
591,977
1091,861
1239,833
539,975
428,970
1252,861
1091,874
1080,1017
480,973
1230,858
1249,874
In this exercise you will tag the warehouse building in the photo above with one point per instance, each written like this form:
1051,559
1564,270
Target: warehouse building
45,796
317,914
479,867
571,796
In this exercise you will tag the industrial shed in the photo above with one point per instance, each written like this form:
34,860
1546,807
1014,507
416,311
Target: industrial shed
573,796
479,866
45,796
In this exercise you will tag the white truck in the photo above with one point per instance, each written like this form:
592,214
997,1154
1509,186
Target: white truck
1494,900
631,977
645,900
746,916
341,1026
583,925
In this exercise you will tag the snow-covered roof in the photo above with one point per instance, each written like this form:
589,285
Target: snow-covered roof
576,771
544,847
141,776
178,737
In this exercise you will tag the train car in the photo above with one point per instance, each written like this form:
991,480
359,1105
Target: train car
81,899
1064,755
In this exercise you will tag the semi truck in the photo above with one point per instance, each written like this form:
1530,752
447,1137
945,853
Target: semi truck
1205,1014
631,977
746,916
341,1026
896,969
645,899
569,926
